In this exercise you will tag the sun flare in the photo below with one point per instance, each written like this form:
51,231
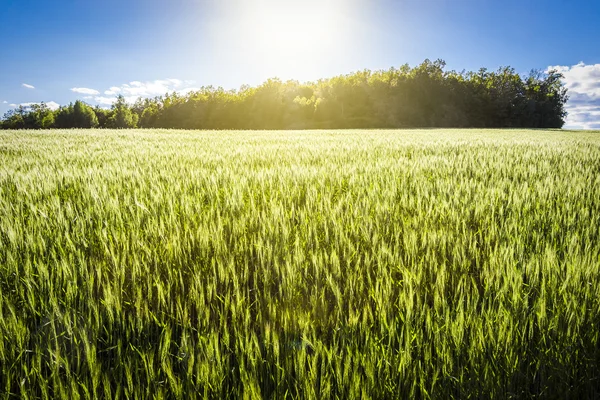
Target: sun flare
291,38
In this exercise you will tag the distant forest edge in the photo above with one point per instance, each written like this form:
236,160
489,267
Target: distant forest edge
423,96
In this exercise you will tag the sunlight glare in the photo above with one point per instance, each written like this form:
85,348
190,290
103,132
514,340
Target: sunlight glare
291,38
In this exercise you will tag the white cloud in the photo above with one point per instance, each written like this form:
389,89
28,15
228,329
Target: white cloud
105,100
131,99
110,100
5,102
12,105
28,86
113,90
136,89
53,105
185,91
150,88
50,104
84,90
583,84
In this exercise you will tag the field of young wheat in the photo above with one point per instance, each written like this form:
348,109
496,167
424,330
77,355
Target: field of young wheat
331,264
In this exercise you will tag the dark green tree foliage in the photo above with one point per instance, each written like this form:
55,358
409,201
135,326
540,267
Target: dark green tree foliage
36,116
102,115
39,116
423,96
84,116
13,119
78,115
122,116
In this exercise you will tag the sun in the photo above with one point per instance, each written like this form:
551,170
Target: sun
291,39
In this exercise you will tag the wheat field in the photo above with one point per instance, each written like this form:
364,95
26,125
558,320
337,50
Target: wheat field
299,264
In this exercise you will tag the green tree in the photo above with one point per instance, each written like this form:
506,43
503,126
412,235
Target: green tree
78,115
103,116
84,116
13,119
38,116
423,96
122,116
149,116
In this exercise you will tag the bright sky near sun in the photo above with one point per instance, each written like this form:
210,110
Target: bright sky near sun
60,51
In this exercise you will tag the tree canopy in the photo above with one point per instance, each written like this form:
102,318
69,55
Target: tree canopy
405,97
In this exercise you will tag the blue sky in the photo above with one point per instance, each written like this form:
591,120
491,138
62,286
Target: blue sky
68,50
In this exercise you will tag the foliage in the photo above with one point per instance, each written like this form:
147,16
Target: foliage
412,264
423,96
78,115
122,116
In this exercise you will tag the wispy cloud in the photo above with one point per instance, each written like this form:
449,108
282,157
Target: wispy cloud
5,102
13,105
136,89
583,84
150,88
83,90
28,86
113,90
105,100
53,105
187,90
50,104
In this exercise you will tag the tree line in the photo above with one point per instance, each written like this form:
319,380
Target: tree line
405,97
